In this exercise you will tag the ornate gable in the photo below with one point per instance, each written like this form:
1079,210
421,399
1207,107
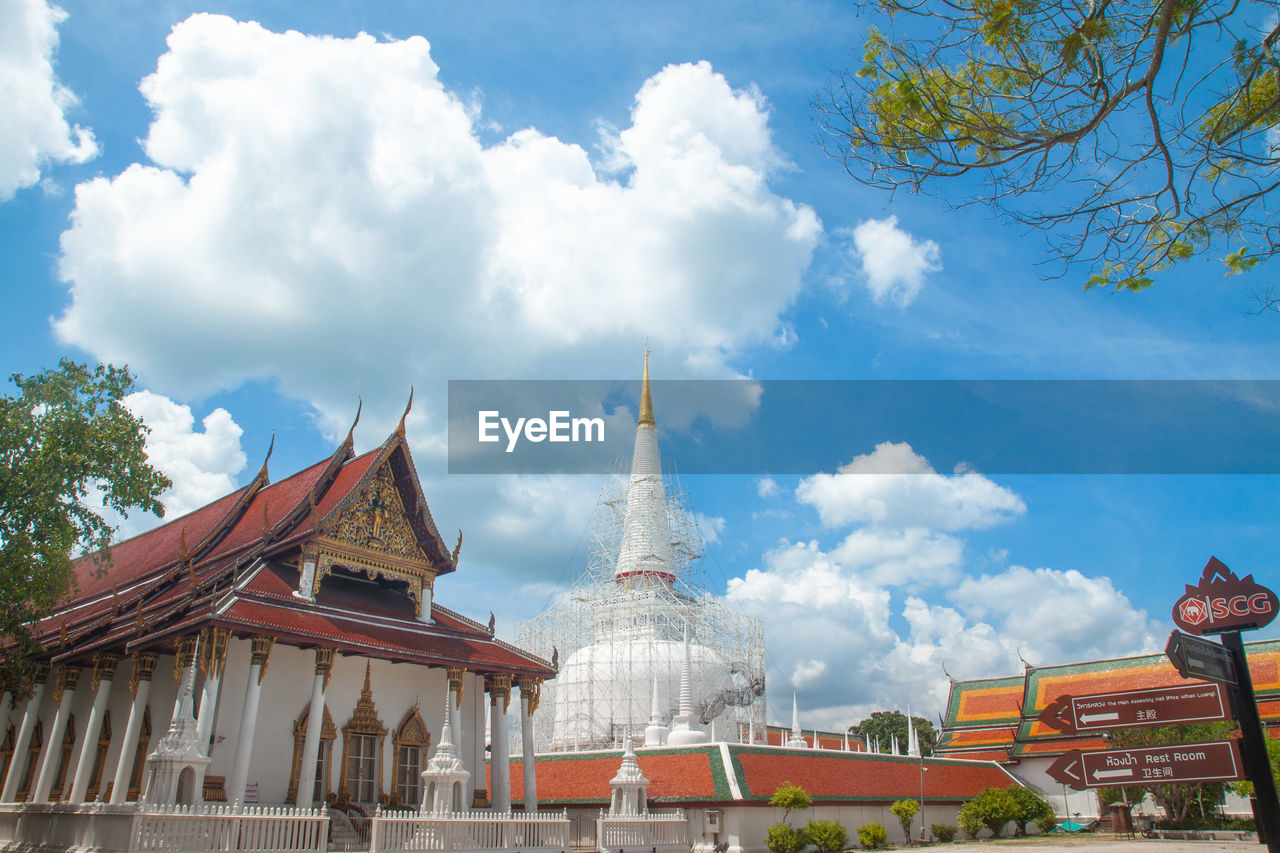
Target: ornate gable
371,535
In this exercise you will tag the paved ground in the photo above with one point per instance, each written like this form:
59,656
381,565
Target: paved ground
1109,845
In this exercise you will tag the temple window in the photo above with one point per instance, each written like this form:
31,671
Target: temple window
99,758
64,759
140,756
362,739
328,733
33,761
410,742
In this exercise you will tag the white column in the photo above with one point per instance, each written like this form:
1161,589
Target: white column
461,724
144,666
5,702
30,714
315,719
64,695
479,709
104,672
213,659
259,655
530,692
499,687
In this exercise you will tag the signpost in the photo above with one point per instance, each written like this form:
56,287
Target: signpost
1222,603
1158,706
1216,761
1201,659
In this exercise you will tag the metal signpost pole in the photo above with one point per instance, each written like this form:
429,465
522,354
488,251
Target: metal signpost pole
1266,810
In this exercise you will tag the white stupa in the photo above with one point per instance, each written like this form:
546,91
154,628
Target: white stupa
621,631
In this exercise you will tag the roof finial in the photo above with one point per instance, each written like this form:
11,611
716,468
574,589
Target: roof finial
408,406
350,440
646,402
262,472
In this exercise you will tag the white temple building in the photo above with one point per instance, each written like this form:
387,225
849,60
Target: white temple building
639,621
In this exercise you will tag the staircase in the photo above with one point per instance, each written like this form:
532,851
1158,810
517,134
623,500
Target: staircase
342,834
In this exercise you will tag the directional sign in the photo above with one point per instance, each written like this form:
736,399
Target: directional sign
1216,761
1158,706
1201,659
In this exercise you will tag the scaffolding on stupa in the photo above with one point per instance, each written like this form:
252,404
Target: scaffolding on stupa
617,641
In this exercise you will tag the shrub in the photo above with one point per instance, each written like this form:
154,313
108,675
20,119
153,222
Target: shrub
829,836
872,835
993,808
969,820
944,832
905,811
1047,823
790,797
781,838
1028,806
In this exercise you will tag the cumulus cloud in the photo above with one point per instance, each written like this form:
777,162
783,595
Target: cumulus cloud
892,608
203,464
893,486
35,130
894,263
1058,616
767,487
321,212
709,527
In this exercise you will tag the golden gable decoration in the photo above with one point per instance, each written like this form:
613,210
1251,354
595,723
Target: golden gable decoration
373,536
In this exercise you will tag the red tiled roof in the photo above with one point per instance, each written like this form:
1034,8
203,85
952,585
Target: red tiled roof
984,702
972,738
835,777
674,776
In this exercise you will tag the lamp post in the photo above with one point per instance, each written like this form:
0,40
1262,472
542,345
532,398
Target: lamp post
923,836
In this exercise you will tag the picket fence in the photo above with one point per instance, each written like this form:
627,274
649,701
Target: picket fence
650,831
406,831
173,829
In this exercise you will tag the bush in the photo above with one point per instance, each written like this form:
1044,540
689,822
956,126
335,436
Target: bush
829,836
781,838
993,808
872,835
969,820
1028,806
1047,823
944,832
905,811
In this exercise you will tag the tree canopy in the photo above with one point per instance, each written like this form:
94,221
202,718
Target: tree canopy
1176,800
884,725
1135,134
65,438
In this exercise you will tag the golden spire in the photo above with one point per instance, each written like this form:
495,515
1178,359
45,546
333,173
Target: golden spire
646,402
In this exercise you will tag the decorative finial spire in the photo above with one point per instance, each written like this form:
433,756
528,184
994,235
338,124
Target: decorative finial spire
408,406
646,401
262,472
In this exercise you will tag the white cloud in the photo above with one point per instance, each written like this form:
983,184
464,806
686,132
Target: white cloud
34,131
894,486
894,264
767,487
321,212
202,465
709,527
1056,616
901,557
808,672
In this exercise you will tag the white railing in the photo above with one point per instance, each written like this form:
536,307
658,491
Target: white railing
654,830
253,829
97,826
406,831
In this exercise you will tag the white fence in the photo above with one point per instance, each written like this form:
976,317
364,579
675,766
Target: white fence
52,825
131,828
412,831
652,831
252,829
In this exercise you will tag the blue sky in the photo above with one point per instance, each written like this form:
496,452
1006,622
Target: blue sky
267,220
